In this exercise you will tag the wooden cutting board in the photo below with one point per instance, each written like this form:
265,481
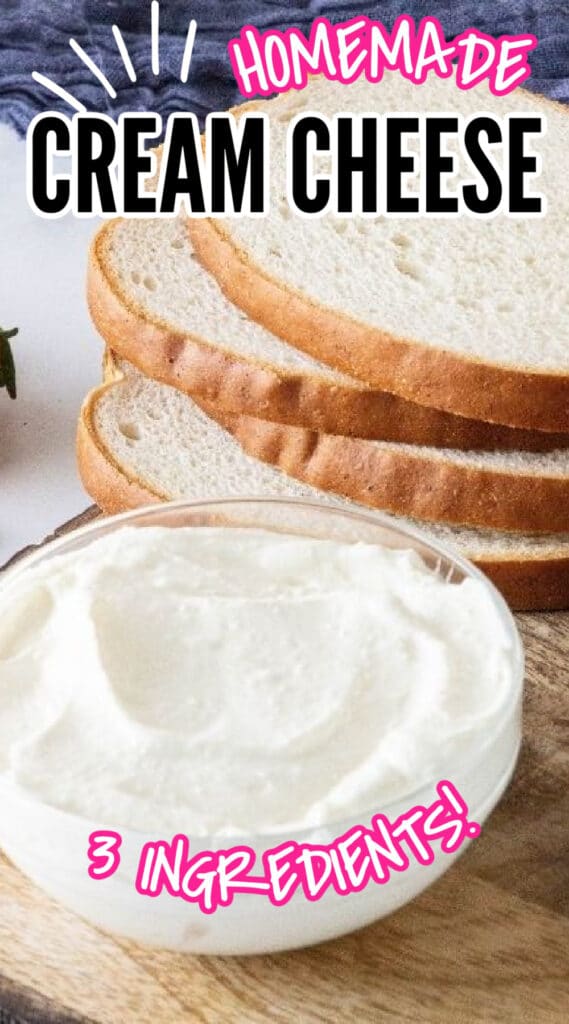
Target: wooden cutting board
487,944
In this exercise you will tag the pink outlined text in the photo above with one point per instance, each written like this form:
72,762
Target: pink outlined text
103,854
270,62
359,857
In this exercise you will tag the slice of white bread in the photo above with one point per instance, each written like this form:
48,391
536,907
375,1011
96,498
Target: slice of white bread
140,442
156,306
464,314
518,491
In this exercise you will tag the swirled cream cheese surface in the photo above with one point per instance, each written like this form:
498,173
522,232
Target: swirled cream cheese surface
224,681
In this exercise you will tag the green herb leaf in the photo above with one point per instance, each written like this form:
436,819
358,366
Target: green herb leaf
7,366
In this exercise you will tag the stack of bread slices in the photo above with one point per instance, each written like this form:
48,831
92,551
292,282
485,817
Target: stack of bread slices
419,366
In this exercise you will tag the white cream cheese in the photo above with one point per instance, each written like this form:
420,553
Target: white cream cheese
221,681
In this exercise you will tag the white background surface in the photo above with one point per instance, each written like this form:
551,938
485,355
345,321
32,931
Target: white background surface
58,358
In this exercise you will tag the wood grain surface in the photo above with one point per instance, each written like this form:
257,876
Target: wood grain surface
487,944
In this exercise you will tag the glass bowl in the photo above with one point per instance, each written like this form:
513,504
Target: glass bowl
50,845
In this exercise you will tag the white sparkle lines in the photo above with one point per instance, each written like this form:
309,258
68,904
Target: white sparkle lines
89,63
154,36
58,91
188,50
121,46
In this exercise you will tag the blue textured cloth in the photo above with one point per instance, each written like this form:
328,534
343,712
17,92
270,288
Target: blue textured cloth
35,36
